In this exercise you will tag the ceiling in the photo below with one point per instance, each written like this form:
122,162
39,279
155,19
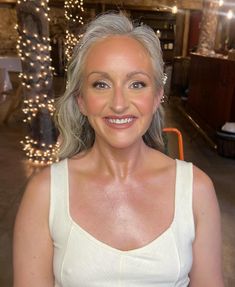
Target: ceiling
149,4
131,4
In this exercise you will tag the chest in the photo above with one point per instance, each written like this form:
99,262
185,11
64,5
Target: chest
124,216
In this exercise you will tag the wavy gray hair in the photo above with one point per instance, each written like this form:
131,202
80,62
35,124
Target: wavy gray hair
76,133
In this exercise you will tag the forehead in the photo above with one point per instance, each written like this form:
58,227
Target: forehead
119,40
119,50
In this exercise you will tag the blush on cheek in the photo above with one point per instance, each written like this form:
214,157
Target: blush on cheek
94,104
146,104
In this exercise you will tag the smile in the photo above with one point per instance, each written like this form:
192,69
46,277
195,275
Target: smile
120,121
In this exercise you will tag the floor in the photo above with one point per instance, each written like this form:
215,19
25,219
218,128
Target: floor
15,172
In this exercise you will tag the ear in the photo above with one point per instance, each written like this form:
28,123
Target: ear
81,105
157,99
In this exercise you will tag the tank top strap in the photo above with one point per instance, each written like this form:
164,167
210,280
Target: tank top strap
184,197
58,215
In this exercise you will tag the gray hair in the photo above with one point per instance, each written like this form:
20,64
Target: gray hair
76,134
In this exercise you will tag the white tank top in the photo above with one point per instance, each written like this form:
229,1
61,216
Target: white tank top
80,260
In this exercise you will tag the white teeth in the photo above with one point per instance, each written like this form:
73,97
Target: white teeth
120,121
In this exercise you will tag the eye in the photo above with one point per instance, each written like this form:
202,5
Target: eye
100,85
137,85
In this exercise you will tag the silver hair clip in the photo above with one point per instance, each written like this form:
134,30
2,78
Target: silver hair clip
164,78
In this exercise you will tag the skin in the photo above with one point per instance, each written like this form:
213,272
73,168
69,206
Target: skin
118,83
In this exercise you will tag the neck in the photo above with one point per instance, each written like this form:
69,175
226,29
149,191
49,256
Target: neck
119,163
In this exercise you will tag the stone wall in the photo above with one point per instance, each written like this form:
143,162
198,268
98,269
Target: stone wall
8,34
57,23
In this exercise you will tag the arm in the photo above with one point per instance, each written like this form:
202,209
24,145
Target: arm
206,270
32,247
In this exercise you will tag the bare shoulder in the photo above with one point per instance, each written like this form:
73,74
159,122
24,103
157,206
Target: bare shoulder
40,179
204,196
36,197
39,184
203,186
202,182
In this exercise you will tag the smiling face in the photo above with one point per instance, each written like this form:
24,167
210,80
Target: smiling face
118,95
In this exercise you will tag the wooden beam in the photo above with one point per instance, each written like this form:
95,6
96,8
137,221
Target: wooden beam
132,4
150,4
8,2
190,4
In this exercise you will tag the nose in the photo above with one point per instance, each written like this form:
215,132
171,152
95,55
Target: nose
119,102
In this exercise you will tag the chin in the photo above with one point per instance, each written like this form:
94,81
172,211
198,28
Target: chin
125,144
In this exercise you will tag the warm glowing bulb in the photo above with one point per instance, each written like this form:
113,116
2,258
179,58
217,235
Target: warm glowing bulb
230,14
221,3
174,9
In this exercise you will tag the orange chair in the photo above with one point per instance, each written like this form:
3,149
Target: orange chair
180,140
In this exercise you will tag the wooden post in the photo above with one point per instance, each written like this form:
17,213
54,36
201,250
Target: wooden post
208,26
36,78
180,18
186,33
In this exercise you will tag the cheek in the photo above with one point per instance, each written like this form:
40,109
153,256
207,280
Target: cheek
94,104
147,104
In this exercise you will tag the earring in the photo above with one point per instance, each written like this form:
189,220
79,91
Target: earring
163,99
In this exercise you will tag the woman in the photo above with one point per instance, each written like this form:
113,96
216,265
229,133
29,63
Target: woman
116,211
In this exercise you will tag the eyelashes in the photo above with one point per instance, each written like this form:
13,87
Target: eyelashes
102,85
138,85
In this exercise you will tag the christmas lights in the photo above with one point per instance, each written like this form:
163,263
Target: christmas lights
230,14
43,156
73,14
34,51
174,9
221,3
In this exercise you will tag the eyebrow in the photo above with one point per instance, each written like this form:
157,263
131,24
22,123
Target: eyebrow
104,74
129,75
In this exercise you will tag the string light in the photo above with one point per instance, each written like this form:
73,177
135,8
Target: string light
174,9
43,156
221,3
230,14
33,49
73,14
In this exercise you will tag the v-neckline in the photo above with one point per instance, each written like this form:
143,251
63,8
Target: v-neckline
96,241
